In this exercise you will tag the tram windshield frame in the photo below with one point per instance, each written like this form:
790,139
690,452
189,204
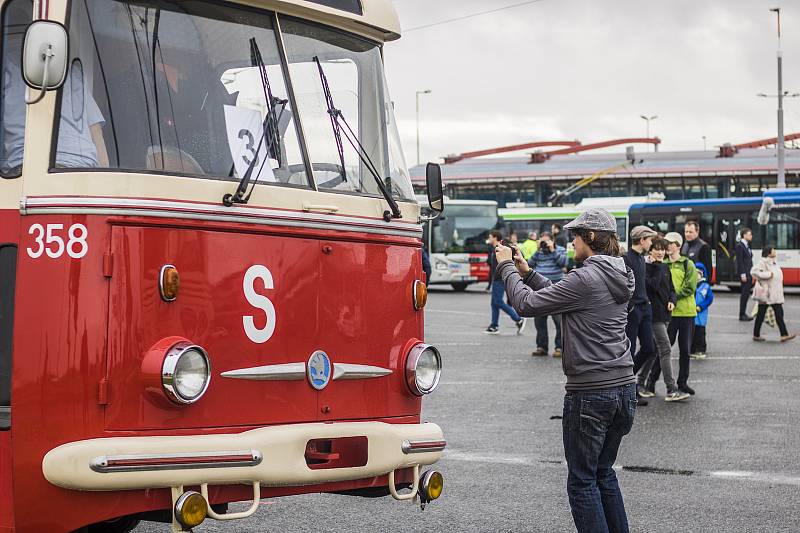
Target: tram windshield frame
173,86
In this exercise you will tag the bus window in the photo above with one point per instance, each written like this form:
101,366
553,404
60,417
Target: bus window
16,16
622,229
781,232
354,72
176,87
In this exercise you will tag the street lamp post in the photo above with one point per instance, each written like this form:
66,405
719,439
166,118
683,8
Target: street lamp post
426,91
704,143
648,119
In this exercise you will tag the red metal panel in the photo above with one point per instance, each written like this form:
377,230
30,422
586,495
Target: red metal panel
366,316
209,312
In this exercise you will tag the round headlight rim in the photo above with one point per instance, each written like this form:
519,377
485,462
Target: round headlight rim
169,365
412,360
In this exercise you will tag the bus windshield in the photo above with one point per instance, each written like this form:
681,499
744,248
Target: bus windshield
201,89
463,228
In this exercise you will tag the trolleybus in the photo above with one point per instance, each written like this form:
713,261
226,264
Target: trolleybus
721,221
456,242
210,276
527,219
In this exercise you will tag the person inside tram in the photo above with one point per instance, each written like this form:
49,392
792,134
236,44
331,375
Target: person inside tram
81,143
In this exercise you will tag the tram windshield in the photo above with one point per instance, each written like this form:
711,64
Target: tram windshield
199,88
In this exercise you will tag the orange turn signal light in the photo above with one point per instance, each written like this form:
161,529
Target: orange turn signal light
420,295
169,281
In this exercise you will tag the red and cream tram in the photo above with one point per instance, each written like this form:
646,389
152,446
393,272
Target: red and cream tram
211,286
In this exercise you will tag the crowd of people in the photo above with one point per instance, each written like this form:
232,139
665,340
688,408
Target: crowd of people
653,295
670,303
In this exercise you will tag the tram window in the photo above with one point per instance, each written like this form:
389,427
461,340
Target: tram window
354,71
16,16
176,87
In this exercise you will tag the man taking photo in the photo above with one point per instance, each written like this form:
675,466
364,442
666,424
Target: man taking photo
550,260
600,402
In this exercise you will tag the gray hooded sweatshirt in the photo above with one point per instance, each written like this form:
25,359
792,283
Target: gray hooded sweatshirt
593,304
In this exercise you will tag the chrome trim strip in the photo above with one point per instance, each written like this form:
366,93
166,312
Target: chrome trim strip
198,211
105,464
350,371
297,372
285,372
422,446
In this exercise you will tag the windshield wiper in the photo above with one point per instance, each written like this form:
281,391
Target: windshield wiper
337,120
269,131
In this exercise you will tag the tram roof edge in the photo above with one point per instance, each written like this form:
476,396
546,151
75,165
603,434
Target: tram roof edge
378,21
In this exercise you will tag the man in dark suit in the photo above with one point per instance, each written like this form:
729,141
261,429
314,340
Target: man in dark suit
744,263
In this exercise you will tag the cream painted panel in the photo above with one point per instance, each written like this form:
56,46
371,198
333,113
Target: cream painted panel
282,447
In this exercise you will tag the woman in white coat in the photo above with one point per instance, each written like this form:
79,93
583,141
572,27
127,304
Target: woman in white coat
768,292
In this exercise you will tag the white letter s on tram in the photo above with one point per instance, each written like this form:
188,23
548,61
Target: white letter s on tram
258,335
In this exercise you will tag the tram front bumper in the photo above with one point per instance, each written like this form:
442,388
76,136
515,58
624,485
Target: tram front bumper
269,456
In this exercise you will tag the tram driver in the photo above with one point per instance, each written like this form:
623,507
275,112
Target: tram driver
80,132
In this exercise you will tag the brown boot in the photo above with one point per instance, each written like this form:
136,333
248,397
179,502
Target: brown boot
539,352
557,352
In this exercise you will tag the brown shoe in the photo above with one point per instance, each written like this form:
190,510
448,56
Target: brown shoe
539,352
557,352
788,337
759,339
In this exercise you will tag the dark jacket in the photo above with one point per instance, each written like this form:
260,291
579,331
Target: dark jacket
492,260
635,261
698,251
660,290
744,258
593,303
549,264
426,266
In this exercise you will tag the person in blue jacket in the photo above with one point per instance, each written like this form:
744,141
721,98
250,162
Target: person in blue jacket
550,261
703,298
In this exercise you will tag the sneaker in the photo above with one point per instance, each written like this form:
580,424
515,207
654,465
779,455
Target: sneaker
745,318
676,396
698,355
643,392
686,388
759,339
539,352
492,330
521,325
557,352
788,337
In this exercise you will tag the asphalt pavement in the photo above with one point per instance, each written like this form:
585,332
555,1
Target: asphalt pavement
725,460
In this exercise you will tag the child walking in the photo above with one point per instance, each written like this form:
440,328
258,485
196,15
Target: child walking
703,298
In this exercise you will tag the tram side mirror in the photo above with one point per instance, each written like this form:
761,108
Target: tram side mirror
763,213
44,57
433,178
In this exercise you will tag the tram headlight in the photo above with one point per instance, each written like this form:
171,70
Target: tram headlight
186,373
423,369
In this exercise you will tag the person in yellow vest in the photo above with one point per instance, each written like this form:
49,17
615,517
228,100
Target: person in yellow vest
530,246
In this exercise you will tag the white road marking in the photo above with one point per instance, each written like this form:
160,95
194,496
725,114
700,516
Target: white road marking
775,478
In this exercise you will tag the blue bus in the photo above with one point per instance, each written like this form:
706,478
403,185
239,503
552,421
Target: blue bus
720,223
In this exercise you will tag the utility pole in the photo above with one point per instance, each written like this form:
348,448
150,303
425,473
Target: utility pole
426,91
781,141
648,119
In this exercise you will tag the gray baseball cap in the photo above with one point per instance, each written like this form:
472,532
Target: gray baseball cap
594,220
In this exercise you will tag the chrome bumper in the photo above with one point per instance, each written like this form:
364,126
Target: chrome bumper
270,456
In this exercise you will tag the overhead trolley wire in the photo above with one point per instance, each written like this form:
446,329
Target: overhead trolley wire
472,15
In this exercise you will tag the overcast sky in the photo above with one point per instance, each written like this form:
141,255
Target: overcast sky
587,69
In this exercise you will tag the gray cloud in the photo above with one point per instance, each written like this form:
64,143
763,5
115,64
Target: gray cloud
587,69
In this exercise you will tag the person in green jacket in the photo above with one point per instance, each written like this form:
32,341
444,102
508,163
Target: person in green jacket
681,326
530,246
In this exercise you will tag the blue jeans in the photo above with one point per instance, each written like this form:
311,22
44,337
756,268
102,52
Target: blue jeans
594,423
640,325
542,335
498,303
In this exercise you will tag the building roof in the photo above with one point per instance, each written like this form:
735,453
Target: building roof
748,161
